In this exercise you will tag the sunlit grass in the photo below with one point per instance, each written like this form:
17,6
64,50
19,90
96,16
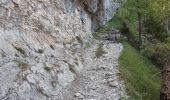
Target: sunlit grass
142,78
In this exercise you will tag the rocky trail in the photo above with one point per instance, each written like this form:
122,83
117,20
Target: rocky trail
99,80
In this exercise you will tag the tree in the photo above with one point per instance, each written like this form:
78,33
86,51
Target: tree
165,88
136,9
139,23
166,14
160,12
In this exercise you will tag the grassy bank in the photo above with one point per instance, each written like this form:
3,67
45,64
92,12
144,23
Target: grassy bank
142,78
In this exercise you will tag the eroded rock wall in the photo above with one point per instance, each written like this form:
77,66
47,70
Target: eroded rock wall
41,44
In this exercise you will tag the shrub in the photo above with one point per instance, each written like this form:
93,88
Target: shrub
52,47
47,68
168,40
162,51
157,53
148,51
23,65
54,83
79,39
20,50
100,51
71,68
40,51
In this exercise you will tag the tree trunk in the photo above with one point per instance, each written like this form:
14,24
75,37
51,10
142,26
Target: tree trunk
140,30
139,25
167,26
165,88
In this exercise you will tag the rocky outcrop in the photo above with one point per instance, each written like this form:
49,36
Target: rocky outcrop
42,41
101,11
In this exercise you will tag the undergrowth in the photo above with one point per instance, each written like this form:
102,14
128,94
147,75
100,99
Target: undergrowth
142,78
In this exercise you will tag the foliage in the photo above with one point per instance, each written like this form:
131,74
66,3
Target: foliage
52,47
100,51
168,40
23,65
54,83
157,53
79,39
115,22
154,17
72,68
48,69
142,78
20,50
40,51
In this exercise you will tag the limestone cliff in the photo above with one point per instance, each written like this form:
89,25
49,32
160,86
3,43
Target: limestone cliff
41,43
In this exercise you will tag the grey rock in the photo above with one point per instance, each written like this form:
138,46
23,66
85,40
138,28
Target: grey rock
113,83
79,95
36,44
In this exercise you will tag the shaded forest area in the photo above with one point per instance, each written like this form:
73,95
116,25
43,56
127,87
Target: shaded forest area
146,25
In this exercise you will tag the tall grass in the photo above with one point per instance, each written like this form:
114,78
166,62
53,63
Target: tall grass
142,78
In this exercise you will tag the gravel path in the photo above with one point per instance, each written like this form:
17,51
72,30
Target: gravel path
99,80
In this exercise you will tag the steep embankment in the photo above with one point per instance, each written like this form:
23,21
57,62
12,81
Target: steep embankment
41,44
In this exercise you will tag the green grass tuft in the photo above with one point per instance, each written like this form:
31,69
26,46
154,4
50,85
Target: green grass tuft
79,39
23,65
100,51
71,68
52,47
54,83
48,69
40,51
142,78
20,50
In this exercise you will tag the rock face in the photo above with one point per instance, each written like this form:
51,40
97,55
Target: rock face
42,41
101,11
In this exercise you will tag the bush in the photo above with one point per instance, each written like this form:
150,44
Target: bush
23,65
40,51
48,69
52,47
157,53
162,51
100,51
79,39
148,51
168,40
20,50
